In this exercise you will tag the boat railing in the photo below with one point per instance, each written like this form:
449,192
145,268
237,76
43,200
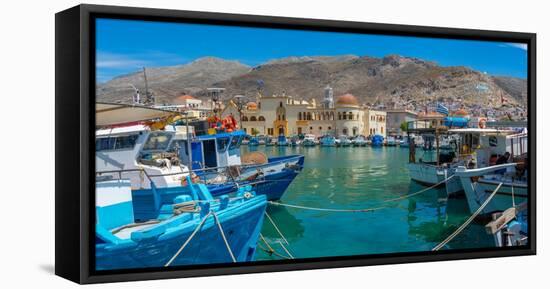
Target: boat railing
464,172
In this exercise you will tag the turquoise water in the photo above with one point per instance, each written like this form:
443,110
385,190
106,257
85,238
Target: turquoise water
357,178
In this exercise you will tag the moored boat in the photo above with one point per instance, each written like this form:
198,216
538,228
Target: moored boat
327,141
508,180
309,140
145,229
391,141
344,141
359,141
377,140
215,160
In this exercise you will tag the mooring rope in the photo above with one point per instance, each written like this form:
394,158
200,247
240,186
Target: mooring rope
276,228
270,249
224,238
286,250
360,210
199,226
468,221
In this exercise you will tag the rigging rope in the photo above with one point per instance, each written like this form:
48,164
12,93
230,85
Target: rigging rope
224,238
199,226
276,228
468,221
361,210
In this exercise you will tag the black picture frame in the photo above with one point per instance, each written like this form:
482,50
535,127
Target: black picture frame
74,137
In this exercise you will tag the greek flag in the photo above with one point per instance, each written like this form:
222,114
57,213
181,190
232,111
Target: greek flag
442,109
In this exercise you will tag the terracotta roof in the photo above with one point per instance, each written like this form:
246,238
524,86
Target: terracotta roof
183,98
461,112
251,105
347,99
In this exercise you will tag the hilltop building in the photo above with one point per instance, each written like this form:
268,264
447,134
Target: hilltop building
287,115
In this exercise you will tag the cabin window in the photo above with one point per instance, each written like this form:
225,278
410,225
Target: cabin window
235,142
157,141
116,143
222,143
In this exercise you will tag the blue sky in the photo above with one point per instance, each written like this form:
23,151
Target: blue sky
124,46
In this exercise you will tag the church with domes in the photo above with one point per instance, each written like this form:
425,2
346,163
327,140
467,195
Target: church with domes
289,115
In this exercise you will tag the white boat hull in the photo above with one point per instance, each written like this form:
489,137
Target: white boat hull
477,190
429,174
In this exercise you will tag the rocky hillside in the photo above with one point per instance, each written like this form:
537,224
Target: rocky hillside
169,82
389,80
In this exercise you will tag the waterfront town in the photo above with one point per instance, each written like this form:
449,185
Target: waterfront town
283,114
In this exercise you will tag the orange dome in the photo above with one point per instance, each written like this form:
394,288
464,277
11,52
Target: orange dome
347,99
251,105
461,112
183,98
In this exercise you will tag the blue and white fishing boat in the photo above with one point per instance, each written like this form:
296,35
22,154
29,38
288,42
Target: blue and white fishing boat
295,141
344,141
269,141
391,141
215,159
149,229
309,140
377,140
282,140
359,141
253,142
327,141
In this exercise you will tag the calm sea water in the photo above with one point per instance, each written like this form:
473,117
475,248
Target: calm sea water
356,178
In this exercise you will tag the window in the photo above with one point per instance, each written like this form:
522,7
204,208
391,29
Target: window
157,140
270,131
252,118
381,129
329,128
235,142
244,118
222,143
300,115
299,130
261,118
116,143
320,128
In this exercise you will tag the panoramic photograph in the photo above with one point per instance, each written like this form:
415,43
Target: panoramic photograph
219,144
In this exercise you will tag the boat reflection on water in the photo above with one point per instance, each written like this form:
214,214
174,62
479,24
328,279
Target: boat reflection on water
432,217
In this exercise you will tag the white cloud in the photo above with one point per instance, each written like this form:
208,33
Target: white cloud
521,46
113,60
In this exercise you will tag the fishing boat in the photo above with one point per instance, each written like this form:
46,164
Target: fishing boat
253,142
359,141
309,140
428,171
344,141
377,140
270,141
508,180
140,229
327,141
510,228
215,159
261,140
282,141
468,147
295,141
391,141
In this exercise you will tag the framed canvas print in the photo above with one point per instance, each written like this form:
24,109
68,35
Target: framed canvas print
193,144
